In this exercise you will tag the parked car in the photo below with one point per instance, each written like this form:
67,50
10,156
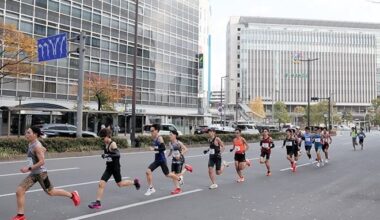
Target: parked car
222,129
165,129
63,130
202,129
248,129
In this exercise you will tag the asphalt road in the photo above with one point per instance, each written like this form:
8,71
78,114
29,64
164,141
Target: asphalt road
346,188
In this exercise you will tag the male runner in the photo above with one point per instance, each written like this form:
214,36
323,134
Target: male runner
326,140
240,146
112,156
361,136
266,144
215,159
159,161
291,149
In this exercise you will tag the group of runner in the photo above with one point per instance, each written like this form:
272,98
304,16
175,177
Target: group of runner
38,172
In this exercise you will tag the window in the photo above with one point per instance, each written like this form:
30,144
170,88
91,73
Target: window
238,29
53,6
87,15
41,3
238,37
96,18
65,9
238,47
39,29
77,12
26,27
96,42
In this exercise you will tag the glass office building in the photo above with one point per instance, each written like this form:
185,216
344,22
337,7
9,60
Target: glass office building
261,54
167,67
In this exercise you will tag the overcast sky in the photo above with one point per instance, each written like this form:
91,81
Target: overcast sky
342,10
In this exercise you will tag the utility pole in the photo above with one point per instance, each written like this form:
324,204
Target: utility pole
82,40
133,132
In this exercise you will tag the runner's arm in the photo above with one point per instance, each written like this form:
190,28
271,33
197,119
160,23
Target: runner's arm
221,144
41,157
184,148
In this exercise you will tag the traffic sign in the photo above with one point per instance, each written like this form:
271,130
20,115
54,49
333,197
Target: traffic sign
52,47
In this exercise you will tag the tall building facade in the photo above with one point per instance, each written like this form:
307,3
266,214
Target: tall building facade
262,54
168,37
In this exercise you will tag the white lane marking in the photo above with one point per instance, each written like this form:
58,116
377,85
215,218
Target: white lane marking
79,157
134,205
256,158
49,171
59,187
302,165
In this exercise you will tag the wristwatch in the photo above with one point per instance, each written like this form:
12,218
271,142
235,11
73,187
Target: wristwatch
30,168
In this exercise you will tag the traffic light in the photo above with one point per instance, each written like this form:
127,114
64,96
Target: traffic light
314,98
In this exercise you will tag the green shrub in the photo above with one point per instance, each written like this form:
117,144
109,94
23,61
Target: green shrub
15,146
146,141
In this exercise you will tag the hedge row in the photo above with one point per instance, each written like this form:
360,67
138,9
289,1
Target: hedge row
145,141
10,147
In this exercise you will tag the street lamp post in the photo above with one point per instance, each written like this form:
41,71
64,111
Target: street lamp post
221,100
134,77
308,84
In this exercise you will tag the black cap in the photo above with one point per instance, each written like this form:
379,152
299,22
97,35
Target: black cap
175,133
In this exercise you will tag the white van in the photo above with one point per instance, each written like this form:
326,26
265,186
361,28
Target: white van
248,129
165,129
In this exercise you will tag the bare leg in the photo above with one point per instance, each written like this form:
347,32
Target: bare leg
267,165
149,178
211,174
20,194
175,179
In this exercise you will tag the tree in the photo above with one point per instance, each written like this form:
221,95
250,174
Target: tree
299,110
317,112
104,90
17,51
281,113
257,107
376,103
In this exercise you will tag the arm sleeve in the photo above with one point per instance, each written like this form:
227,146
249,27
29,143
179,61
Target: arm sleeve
261,143
284,143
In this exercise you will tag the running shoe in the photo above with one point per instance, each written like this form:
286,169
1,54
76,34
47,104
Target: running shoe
318,164
327,161
240,180
225,163
180,181
248,162
269,173
294,169
17,217
189,168
76,198
213,186
136,182
176,191
95,205
150,191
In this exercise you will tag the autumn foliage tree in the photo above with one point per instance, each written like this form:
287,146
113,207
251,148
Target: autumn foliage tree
17,51
257,107
104,90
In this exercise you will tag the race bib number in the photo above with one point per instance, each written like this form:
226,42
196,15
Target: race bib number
108,159
212,151
307,139
237,148
317,140
289,143
265,145
30,161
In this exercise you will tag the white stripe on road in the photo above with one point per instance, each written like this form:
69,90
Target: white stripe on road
302,165
256,158
59,187
133,205
68,158
56,170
